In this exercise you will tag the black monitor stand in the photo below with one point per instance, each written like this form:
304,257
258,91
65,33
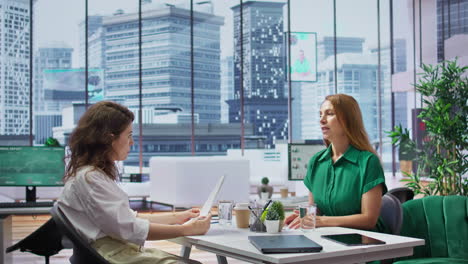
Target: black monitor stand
30,193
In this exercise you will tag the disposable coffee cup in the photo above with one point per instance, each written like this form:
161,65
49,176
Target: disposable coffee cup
242,215
284,192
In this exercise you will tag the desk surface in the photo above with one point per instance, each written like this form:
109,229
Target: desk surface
24,210
233,242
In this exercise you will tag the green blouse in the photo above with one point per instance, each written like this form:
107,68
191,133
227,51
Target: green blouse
338,187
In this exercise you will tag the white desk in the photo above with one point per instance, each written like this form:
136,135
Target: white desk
232,242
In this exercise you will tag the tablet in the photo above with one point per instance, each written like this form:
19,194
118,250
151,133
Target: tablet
354,239
206,209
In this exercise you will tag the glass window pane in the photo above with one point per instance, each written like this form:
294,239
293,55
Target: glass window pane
14,73
264,75
214,78
166,78
113,60
59,84
316,17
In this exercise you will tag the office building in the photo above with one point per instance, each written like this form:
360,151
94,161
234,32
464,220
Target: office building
326,46
166,61
357,76
14,67
96,43
47,112
227,86
451,21
263,76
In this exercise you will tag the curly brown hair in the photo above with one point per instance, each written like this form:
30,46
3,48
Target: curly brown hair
91,141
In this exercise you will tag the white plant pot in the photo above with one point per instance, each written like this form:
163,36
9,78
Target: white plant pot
264,195
272,226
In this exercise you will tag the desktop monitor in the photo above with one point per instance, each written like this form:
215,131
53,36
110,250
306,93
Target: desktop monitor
299,155
31,167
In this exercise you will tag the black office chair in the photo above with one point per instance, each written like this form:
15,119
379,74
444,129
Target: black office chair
82,250
392,213
402,193
45,241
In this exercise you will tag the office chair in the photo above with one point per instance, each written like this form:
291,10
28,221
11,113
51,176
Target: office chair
82,250
391,213
402,193
45,241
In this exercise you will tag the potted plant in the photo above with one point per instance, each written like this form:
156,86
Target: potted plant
407,150
272,221
443,159
278,207
265,188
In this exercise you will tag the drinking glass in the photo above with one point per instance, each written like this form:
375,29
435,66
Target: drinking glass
307,214
225,212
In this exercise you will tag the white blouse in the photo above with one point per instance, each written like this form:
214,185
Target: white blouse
97,207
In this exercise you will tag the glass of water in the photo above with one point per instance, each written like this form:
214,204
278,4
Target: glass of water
225,212
307,215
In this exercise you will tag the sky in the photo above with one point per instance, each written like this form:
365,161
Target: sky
58,20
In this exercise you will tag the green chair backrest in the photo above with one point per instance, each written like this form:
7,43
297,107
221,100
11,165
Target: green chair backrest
442,221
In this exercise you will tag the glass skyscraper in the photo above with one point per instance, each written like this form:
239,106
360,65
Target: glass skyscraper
263,79
14,67
166,59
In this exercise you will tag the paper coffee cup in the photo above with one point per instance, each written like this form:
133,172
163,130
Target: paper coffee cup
242,215
284,192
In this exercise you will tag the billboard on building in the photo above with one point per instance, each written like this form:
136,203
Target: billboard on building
69,84
303,57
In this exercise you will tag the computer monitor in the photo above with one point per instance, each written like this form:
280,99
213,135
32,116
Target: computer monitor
31,167
299,155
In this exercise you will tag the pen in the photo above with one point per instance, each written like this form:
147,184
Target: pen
252,211
266,205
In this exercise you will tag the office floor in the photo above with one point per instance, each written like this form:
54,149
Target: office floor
24,225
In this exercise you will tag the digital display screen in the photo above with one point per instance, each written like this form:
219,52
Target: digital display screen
299,155
31,166
303,62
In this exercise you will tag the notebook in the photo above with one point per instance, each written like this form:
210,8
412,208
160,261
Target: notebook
284,244
209,202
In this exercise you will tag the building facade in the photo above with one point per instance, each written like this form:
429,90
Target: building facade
263,78
166,60
14,67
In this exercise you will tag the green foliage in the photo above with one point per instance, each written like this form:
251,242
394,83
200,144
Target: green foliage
51,142
272,215
401,138
443,157
278,207
265,180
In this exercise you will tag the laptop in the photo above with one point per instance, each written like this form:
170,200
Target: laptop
206,209
284,244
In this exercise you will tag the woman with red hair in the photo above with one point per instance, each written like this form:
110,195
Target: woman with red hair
346,180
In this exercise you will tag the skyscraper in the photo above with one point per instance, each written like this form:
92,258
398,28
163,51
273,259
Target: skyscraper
14,67
326,46
47,105
166,59
263,78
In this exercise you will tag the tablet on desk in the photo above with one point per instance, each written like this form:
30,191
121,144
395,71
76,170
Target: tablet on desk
354,239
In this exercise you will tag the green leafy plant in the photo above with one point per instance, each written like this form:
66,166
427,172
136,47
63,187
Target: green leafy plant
278,207
401,138
52,142
265,180
443,157
272,215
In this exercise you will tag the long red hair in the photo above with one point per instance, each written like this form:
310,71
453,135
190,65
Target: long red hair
349,116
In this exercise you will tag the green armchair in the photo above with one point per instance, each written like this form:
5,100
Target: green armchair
442,221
